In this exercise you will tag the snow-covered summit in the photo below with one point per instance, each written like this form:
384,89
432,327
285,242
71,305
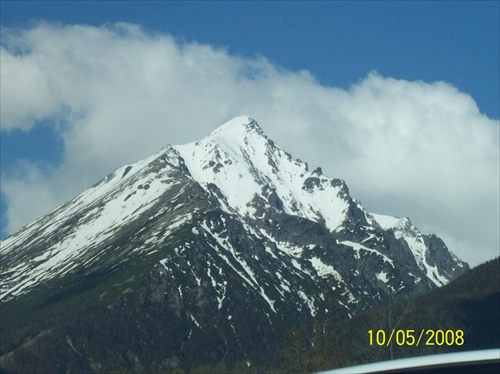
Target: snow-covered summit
247,167
236,129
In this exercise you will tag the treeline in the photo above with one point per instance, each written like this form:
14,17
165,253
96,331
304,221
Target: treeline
125,339
461,316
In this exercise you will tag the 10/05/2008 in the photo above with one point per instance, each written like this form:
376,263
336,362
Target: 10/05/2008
411,338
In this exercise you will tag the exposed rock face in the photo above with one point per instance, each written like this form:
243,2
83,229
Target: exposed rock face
226,241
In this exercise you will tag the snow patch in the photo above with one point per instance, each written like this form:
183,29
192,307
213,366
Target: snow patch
324,270
382,276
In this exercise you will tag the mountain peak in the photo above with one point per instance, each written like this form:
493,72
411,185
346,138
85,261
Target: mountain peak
201,238
236,128
249,168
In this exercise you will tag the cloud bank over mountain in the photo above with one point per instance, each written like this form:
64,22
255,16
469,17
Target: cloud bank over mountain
117,93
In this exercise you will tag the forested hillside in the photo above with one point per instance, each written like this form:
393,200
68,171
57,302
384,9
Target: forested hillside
470,304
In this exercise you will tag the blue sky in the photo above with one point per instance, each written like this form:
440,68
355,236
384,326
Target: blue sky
338,75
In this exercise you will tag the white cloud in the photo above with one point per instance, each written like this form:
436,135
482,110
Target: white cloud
413,149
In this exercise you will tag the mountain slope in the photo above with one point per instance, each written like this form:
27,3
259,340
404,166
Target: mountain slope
466,310
221,234
470,304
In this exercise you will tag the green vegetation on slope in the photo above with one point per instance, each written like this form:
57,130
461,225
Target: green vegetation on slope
133,336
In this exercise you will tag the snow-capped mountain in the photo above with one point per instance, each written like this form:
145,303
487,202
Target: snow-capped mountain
220,233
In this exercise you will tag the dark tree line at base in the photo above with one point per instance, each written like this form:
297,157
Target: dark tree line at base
126,340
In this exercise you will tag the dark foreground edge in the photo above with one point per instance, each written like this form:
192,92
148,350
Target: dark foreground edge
480,362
